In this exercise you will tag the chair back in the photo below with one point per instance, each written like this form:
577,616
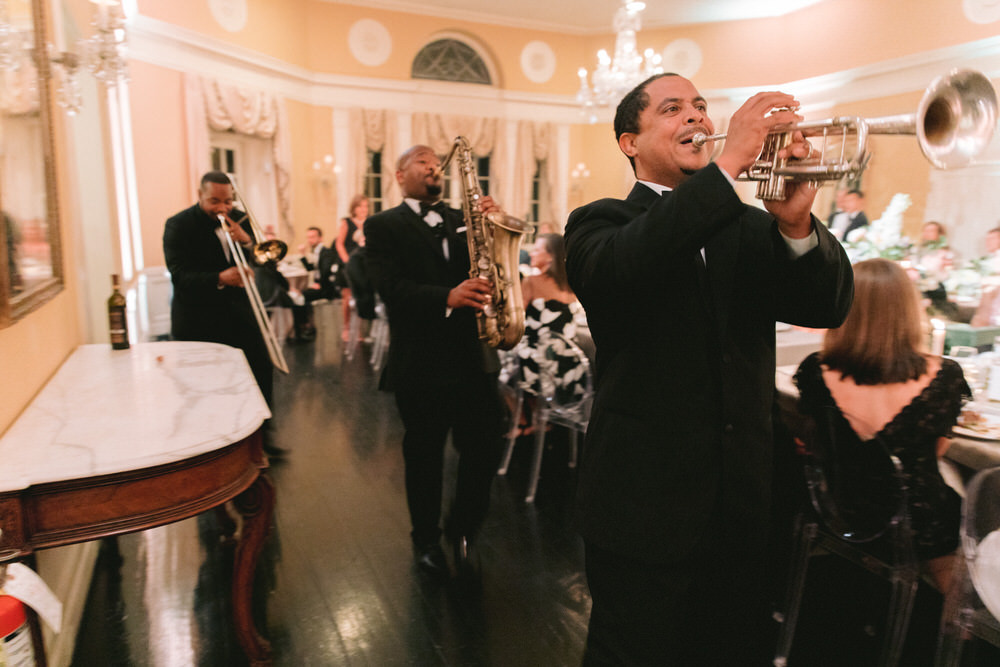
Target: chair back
565,379
981,536
857,487
972,603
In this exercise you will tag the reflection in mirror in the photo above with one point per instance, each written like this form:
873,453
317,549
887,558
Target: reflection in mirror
29,260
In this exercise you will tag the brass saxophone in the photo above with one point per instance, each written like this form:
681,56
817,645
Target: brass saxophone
494,245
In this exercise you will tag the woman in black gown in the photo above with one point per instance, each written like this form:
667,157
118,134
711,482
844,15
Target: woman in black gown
875,372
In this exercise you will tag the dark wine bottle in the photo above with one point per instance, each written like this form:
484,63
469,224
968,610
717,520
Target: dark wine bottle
117,323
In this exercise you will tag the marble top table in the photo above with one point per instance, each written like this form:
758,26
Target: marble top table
110,411
124,440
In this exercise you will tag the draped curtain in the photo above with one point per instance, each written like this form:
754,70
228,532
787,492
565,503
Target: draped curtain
373,130
439,131
214,105
535,143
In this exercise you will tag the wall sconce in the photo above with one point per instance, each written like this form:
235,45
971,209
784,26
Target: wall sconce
326,171
102,54
579,174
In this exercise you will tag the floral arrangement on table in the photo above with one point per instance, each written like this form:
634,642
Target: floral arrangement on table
883,237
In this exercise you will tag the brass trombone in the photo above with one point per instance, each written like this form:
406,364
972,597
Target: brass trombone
954,123
264,250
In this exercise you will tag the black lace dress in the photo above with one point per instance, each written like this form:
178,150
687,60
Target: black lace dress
912,436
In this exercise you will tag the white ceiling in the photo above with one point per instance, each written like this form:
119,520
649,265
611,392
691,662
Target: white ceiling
588,16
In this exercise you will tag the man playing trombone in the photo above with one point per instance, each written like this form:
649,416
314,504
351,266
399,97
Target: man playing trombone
682,283
210,300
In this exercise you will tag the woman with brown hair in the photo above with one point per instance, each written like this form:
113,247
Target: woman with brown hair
875,372
345,242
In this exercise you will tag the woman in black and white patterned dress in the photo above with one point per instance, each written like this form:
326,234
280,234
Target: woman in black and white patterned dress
550,307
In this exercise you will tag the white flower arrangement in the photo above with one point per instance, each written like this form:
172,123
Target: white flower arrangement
883,237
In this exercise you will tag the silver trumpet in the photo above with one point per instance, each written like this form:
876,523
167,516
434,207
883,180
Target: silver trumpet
263,251
954,123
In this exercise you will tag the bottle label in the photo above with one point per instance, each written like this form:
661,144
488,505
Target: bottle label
118,327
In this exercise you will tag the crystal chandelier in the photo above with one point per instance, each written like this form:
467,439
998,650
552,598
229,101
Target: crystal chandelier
102,54
615,77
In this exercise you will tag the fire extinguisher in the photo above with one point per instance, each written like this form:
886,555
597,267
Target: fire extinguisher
16,649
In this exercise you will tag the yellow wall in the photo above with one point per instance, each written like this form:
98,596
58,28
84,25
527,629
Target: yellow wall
313,35
33,348
161,161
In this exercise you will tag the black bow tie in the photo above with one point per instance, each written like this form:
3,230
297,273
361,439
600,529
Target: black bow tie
437,206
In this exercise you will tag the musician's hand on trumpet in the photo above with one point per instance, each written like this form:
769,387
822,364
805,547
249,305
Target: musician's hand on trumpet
794,212
750,126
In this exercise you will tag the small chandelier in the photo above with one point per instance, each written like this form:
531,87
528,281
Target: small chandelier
615,77
102,54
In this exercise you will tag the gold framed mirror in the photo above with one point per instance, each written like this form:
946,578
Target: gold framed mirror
31,270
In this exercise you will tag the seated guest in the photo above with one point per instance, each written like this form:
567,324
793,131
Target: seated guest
318,261
936,259
854,217
274,293
934,254
988,312
360,282
549,306
991,260
874,369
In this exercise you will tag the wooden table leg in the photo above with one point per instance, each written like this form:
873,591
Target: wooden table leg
256,506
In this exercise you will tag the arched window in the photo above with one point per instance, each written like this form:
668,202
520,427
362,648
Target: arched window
450,60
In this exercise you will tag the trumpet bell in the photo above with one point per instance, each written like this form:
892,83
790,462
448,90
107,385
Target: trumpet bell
956,118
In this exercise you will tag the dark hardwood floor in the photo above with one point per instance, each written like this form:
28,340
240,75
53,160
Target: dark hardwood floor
336,584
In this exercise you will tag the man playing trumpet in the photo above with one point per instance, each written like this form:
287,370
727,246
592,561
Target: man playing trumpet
683,283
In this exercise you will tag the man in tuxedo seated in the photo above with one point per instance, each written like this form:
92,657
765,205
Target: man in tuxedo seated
444,378
318,261
852,217
683,283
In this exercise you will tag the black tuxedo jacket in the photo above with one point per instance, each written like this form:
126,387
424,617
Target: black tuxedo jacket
324,272
680,438
199,309
408,269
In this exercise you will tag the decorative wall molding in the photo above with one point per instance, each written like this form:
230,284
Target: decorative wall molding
170,46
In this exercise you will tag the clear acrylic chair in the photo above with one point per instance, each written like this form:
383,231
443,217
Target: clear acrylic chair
565,398
513,397
972,605
858,512
380,336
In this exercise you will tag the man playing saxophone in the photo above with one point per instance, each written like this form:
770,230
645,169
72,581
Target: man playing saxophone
443,376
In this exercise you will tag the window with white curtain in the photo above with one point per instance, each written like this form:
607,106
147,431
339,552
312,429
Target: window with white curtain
373,182
249,161
451,185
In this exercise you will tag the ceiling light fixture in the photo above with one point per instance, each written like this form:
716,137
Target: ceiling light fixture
614,77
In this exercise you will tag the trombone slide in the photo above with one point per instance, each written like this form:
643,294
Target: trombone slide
256,304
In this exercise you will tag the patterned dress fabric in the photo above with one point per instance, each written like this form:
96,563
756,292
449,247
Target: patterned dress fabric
912,435
523,365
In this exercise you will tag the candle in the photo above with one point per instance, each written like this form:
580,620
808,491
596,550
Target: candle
937,341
